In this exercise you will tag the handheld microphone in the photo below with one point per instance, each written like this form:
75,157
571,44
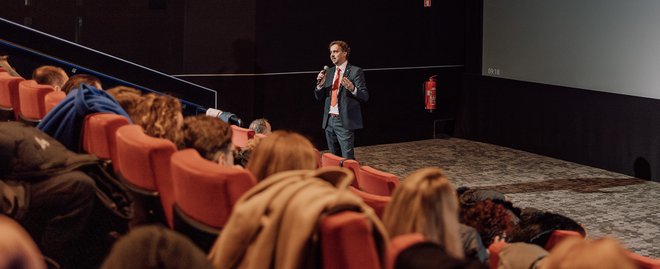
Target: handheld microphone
225,116
325,70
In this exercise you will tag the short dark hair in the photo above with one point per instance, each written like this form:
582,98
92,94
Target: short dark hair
342,44
75,81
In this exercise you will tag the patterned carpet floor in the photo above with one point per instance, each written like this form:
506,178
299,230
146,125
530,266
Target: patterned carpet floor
606,203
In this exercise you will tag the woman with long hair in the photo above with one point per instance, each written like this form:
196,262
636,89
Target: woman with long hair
281,151
426,203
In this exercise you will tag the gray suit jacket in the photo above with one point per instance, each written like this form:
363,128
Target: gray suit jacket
350,110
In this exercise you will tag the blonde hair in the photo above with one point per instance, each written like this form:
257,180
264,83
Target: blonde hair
575,253
160,116
281,151
426,203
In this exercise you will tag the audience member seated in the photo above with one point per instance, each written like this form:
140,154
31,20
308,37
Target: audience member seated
50,75
155,247
77,80
4,64
425,202
161,116
429,255
489,219
17,250
211,137
128,98
521,256
473,247
260,126
65,121
243,156
53,199
273,223
573,253
281,151
535,227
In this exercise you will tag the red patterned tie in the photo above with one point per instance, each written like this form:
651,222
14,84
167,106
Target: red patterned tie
335,89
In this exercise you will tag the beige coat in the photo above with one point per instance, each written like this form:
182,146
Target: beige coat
272,223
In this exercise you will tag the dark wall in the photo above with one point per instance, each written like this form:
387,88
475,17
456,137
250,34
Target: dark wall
293,36
610,131
246,41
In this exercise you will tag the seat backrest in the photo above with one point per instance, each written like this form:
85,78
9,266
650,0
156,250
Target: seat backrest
329,159
207,191
52,99
347,242
377,182
99,134
31,97
144,162
494,254
318,158
377,202
401,243
240,136
9,97
559,235
644,262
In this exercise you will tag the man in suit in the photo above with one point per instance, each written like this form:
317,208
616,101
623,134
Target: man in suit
343,93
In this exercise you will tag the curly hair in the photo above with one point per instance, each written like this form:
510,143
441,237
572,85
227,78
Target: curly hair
160,116
128,98
208,135
490,219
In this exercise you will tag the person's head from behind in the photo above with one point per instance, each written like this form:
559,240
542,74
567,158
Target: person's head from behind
281,151
160,116
260,126
128,98
339,51
211,137
426,203
77,80
50,75
490,219
574,253
17,250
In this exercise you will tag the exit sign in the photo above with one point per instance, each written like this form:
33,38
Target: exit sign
427,3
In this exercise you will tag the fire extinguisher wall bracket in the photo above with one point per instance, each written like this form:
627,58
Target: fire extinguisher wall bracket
430,94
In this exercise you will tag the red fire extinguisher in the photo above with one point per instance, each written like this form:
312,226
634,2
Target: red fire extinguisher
429,94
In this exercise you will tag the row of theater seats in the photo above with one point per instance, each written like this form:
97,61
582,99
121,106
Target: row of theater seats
195,196
25,99
375,187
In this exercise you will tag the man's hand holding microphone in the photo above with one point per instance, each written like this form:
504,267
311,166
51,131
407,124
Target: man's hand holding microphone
320,79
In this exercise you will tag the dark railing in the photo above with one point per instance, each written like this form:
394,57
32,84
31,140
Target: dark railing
29,47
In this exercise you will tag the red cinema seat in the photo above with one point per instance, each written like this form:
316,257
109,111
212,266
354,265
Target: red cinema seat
377,182
205,193
329,159
99,135
347,242
52,99
9,99
558,236
376,202
240,136
401,243
32,97
144,167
